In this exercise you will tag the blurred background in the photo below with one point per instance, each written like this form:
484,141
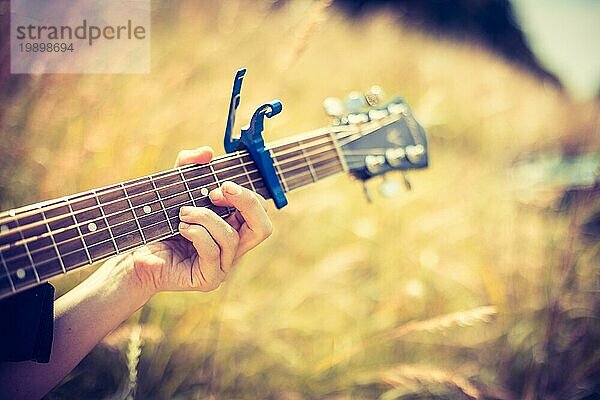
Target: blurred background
481,283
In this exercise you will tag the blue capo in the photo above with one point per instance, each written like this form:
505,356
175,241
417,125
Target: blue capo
251,139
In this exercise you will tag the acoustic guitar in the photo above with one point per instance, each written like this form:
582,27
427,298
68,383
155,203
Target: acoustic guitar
368,138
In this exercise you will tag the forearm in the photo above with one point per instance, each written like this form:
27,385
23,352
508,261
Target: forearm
83,317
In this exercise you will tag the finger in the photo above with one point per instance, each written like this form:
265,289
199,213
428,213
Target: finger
208,271
235,220
201,155
218,199
223,234
257,225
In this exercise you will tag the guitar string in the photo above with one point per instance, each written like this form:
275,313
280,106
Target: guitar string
327,171
168,173
188,199
103,217
174,196
160,237
240,155
128,210
94,194
347,130
308,136
169,220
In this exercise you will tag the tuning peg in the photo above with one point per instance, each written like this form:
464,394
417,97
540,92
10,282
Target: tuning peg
407,183
398,108
334,107
376,114
359,118
355,102
374,96
367,192
389,187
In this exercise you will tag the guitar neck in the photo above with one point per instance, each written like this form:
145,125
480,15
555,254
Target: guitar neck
43,240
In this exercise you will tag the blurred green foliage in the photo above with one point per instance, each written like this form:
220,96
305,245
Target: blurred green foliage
455,290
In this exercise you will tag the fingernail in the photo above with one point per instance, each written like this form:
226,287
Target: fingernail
204,149
183,226
232,188
215,194
185,210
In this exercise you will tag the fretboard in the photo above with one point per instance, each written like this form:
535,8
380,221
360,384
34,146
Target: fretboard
43,240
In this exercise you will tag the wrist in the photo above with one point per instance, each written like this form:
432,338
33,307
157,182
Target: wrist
121,272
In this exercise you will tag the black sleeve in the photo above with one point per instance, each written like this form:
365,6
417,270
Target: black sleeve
26,325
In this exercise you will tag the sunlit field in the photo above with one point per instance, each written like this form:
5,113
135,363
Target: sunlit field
458,289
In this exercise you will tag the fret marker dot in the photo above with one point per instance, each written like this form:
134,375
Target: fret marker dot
3,228
92,226
12,213
204,191
20,273
147,209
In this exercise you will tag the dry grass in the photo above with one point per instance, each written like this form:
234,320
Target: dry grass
337,272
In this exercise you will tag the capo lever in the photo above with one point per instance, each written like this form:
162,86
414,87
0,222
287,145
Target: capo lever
251,139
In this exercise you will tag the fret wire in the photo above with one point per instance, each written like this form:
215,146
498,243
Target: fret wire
192,168
326,166
187,188
62,264
72,214
37,277
288,161
338,149
310,167
161,204
110,232
125,234
282,177
134,215
12,285
297,166
212,170
217,178
248,176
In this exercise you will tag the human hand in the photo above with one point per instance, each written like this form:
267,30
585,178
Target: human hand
202,257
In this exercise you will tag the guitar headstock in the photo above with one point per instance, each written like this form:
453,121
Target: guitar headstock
375,138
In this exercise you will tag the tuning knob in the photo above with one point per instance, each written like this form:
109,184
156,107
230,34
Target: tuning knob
334,107
374,163
398,108
359,118
356,102
415,153
395,156
374,96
